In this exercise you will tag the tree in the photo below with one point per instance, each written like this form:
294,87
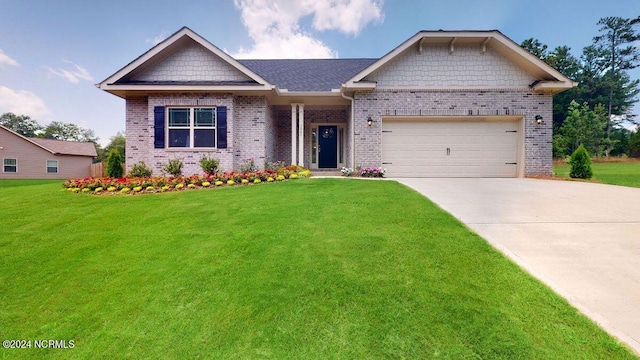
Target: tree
617,54
634,144
584,127
114,164
118,142
580,164
562,60
535,47
69,132
21,124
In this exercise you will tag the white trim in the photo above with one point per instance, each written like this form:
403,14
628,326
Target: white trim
3,165
46,166
293,134
191,127
131,87
301,134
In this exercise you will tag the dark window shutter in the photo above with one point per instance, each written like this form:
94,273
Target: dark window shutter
158,127
222,127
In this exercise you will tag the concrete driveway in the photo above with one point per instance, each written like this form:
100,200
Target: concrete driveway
581,239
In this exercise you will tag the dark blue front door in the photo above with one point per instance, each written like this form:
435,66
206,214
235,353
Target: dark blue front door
328,145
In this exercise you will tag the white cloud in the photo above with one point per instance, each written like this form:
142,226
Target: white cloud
274,25
7,60
23,102
348,16
72,75
158,38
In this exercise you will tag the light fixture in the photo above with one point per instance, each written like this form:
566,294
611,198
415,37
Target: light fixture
538,119
369,121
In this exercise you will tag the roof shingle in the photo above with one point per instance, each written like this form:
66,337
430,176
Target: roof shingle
307,74
67,147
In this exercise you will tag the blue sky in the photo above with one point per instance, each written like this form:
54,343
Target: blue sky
53,52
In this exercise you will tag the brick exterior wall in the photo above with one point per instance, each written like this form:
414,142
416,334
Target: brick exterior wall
537,138
192,63
250,131
140,134
250,123
436,67
263,132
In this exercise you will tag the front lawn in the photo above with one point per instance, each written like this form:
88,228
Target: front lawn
614,173
307,269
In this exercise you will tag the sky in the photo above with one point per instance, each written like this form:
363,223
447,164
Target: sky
52,53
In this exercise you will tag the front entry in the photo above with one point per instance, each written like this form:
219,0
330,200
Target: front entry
327,146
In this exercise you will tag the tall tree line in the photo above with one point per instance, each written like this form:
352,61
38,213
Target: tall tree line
594,112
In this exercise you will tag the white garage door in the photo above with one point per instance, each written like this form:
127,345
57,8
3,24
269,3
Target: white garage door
464,148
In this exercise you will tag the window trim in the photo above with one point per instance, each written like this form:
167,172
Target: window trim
192,127
57,167
4,165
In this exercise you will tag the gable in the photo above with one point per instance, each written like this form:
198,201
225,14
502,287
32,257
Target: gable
451,60
436,66
192,62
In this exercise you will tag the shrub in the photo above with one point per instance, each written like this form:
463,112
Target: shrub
140,169
173,167
372,172
346,171
275,165
249,166
580,164
209,165
114,164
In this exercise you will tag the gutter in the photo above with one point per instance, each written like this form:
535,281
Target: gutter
353,126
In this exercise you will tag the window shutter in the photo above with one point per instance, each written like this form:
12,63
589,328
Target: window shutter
222,126
158,127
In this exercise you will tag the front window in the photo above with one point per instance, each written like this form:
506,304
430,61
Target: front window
192,127
52,166
10,165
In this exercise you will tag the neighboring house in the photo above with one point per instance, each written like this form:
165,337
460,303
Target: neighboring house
441,104
35,158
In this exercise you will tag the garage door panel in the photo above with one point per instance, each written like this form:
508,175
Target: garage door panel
450,148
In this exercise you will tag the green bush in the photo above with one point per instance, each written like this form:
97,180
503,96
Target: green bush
580,164
140,170
209,165
173,167
114,164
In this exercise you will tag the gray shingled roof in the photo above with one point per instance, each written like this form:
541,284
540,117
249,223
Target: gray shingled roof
307,74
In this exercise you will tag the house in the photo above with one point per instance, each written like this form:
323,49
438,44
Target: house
441,104
35,158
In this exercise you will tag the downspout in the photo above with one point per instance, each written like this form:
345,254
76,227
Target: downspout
353,127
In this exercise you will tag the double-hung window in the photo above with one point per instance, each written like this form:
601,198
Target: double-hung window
192,127
10,165
52,166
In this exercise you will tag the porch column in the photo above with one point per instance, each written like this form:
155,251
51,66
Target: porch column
301,134
293,134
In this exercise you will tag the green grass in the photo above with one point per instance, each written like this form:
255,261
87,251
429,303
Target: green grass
614,173
307,269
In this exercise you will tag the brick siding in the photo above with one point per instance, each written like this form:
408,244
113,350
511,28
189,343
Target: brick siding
537,138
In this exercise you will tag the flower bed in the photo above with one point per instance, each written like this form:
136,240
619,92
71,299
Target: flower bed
140,185
368,171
